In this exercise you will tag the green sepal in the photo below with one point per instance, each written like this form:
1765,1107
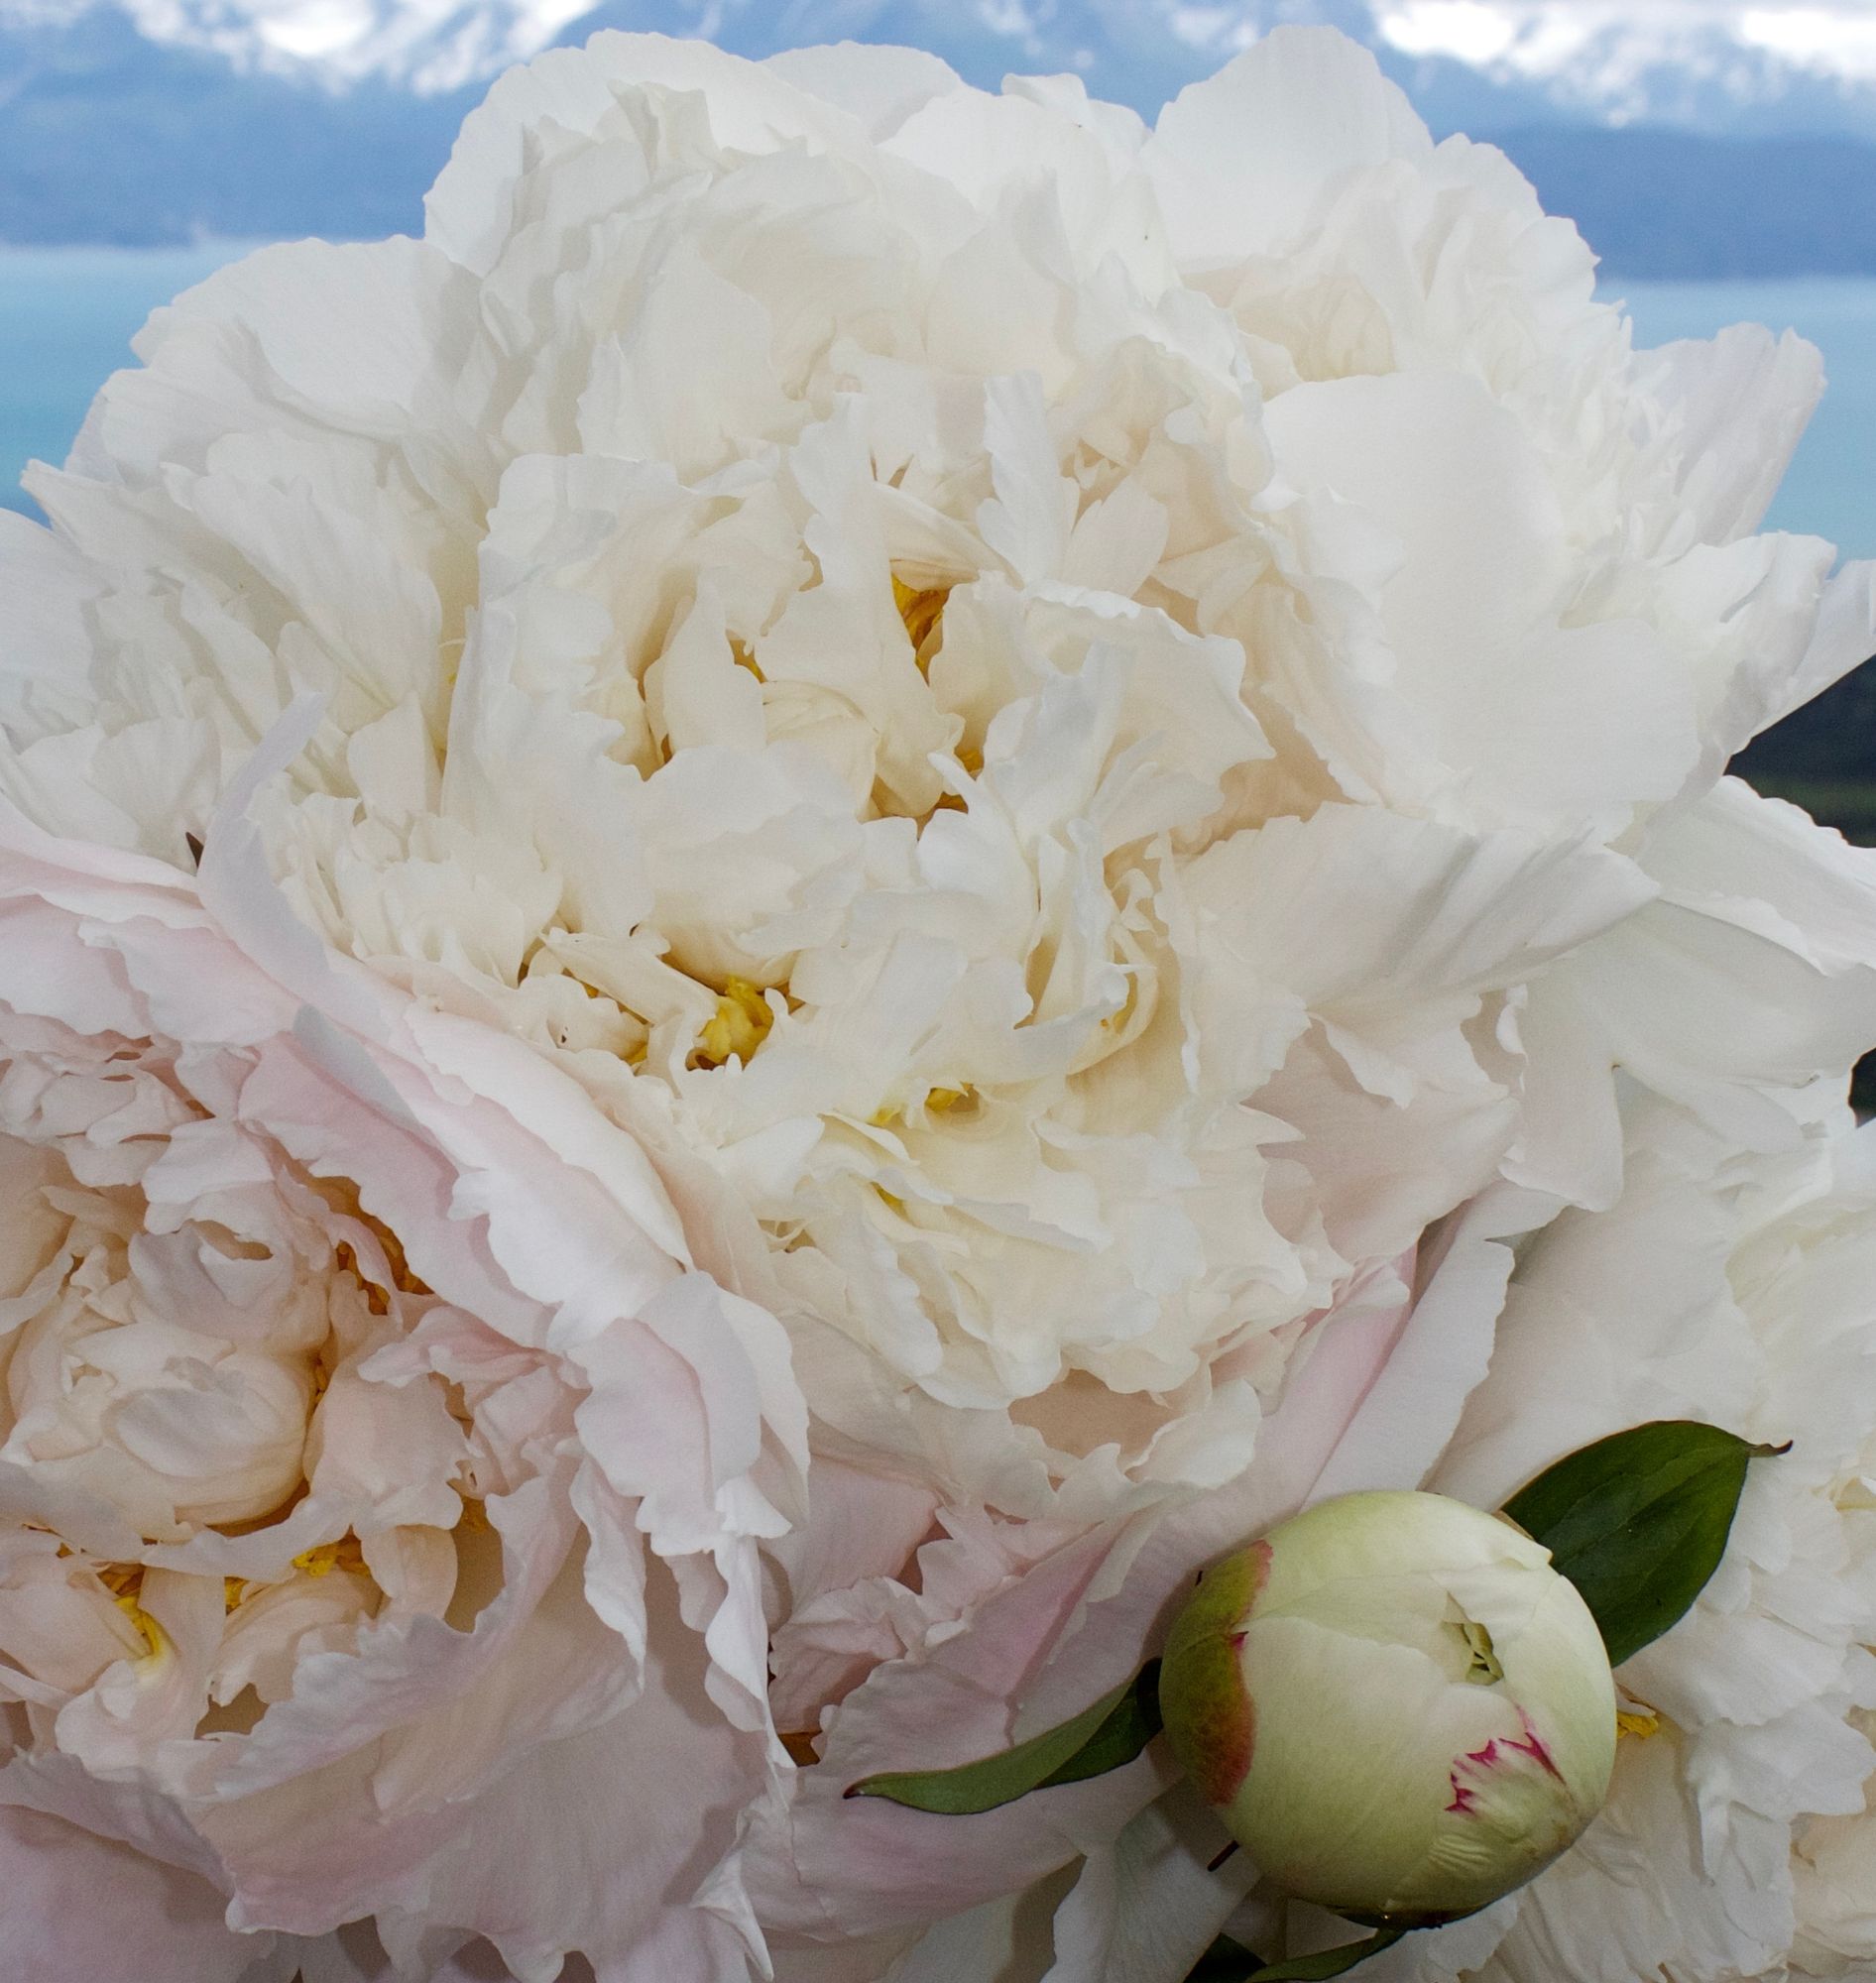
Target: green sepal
1101,1738
1639,1521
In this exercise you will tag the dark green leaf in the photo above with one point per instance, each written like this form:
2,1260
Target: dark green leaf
1639,1521
1130,1724
1330,1962
1103,1737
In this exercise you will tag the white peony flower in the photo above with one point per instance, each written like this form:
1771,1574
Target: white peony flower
1738,1294
1103,747
847,615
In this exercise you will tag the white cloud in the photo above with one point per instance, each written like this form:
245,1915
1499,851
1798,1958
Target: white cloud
1830,38
1473,30
1625,37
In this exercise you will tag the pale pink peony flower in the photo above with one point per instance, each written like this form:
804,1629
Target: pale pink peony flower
380,1488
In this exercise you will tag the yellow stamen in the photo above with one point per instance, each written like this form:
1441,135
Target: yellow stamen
121,1579
345,1553
742,1024
233,1590
475,1518
921,611
1640,1725
745,659
147,1625
938,1102
1118,1022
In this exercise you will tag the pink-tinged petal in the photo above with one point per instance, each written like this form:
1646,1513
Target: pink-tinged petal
351,1954
129,1812
355,1954
644,1425
414,1685
1413,1405
35,970
361,1132
387,1452
157,1696
837,1589
539,1100
859,1526
612,1839
1347,1351
112,881
615,1558
76,1906
869,1865
575,1213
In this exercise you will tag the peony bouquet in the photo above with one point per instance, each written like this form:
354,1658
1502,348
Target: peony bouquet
842,887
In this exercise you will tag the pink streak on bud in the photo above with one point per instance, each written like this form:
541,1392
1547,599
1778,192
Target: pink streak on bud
1482,1760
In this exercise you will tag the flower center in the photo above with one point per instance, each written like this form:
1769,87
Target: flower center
345,1553
742,1023
923,614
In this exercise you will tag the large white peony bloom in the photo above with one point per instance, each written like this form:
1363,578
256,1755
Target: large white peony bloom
1032,700
1105,747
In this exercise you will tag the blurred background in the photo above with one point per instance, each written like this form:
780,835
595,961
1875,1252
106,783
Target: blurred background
1719,155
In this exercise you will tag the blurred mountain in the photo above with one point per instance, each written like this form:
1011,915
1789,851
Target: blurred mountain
1689,137
1726,67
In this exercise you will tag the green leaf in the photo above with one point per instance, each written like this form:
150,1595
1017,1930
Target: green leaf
1330,1962
1101,1738
1131,1724
1638,1522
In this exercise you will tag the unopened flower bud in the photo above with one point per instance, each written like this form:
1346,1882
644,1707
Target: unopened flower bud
1396,1704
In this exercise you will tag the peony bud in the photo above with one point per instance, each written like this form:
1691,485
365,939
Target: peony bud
1398,1707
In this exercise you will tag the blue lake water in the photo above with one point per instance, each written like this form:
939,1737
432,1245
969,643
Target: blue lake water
1831,489
66,319
67,315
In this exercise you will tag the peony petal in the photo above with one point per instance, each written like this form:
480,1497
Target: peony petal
76,1905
